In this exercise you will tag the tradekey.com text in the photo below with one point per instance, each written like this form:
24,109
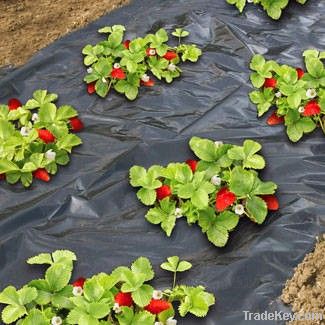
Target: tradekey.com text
282,316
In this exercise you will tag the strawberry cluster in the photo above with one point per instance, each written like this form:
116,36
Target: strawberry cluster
123,297
296,96
36,138
273,8
126,65
213,191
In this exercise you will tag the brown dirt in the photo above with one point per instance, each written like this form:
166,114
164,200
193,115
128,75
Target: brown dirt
305,291
29,25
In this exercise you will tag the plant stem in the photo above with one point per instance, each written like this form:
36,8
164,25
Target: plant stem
174,282
321,124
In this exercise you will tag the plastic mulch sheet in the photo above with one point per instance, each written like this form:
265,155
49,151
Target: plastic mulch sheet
89,206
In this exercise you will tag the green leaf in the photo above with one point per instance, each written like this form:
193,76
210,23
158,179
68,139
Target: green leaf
35,317
12,313
43,258
147,196
58,276
68,142
241,181
256,208
142,295
63,256
143,265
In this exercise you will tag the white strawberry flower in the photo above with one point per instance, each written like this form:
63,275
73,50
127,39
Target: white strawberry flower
56,320
77,291
215,180
157,294
278,94
218,143
311,93
24,131
90,70
239,209
301,109
117,308
178,213
159,323
171,67
35,117
145,77
104,80
250,1
50,155
171,321
152,52
116,66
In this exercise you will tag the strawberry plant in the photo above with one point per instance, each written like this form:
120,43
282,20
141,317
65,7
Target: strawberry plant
272,7
36,137
213,191
296,97
125,65
123,297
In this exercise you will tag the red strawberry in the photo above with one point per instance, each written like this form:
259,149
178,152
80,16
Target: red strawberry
14,103
163,191
271,202
118,73
311,108
46,136
149,83
192,163
170,55
300,73
126,44
150,51
270,83
79,282
2,177
76,124
157,306
274,119
42,174
224,199
91,88
124,299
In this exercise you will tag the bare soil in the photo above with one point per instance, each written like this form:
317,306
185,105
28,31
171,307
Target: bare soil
305,291
29,25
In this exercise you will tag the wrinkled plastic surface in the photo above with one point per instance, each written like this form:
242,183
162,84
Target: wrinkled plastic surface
89,206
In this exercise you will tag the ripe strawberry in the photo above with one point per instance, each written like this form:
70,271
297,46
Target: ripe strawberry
14,103
192,163
311,108
163,191
274,119
170,55
157,306
76,124
126,44
91,88
150,51
124,299
46,136
149,83
118,73
300,73
270,83
271,202
42,174
79,282
224,199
